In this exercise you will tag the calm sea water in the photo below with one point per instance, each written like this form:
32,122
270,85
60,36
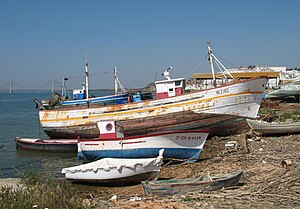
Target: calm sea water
19,117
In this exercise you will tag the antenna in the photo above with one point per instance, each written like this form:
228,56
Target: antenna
155,76
167,73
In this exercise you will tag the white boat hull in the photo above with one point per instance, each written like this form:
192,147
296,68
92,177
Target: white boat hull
114,170
240,99
132,175
177,145
273,128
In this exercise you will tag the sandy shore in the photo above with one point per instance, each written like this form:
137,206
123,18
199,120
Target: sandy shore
266,183
11,182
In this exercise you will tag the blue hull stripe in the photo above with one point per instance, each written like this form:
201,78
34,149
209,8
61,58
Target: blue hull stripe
118,99
170,153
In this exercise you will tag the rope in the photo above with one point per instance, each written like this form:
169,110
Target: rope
9,141
92,74
21,165
129,83
233,65
190,73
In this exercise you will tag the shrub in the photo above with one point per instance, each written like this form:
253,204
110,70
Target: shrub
40,191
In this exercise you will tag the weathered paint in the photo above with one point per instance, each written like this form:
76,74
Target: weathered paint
182,186
239,99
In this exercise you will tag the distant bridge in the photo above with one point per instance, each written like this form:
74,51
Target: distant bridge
12,86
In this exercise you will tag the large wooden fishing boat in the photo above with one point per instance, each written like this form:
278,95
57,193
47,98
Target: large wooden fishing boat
222,109
291,89
81,96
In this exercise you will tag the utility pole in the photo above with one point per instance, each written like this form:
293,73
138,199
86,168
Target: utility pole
11,87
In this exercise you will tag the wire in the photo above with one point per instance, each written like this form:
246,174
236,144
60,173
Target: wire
190,73
21,165
233,65
8,141
94,74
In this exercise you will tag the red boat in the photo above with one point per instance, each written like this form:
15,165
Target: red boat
50,145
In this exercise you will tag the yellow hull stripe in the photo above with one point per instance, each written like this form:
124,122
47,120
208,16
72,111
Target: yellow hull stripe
149,108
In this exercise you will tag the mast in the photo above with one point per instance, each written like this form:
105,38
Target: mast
52,87
116,80
64,88
87,82
210,58
213,58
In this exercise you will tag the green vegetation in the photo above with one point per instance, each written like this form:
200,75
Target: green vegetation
191,199
264,111
40,191
283,116
294,115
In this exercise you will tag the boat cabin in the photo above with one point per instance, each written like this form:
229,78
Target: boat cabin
169,88
110,129
79,93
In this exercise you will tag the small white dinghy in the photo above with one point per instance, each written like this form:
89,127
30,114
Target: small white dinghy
266,128
116,170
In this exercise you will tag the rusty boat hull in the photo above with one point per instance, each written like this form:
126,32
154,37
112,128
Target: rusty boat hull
222,109
220,125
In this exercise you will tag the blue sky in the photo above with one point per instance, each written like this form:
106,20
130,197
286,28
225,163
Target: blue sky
44,40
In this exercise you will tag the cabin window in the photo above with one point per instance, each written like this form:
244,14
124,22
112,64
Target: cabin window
177,83
109,127
171,89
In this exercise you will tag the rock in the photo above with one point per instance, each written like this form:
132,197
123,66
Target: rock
114,198
135,199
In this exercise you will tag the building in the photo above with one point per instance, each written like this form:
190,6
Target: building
200,81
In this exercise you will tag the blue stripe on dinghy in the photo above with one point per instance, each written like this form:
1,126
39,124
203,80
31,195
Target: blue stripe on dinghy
170,153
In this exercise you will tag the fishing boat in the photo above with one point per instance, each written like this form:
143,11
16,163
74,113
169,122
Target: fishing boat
186,144
183,186
291,89
266,128
116,171
220,109
82,97
49,145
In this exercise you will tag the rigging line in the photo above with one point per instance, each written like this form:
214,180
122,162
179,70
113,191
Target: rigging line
92,74
233,65
129,83
21,165
190,73
220,69
107,72
8,141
